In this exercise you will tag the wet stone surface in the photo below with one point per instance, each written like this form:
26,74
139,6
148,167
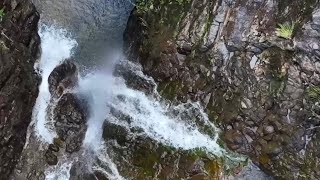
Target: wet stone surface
19,49
259,88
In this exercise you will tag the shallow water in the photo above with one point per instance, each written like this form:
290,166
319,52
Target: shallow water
97,25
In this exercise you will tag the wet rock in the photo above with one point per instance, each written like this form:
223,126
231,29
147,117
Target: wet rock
80,170
19,49
134,77
70,115
63,77
256,76
140,157
51,158
272,148
113,131
53,148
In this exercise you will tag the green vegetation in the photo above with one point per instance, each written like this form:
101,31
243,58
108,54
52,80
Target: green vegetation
285,30
199,152
146,5
2,13
57,141
314,92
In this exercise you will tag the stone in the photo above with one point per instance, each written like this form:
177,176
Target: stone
268,130
70,115
272,148
64,76
19,49
239,35
51,158
113,131
53,148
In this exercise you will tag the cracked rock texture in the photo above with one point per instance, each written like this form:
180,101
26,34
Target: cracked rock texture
19,48
263,91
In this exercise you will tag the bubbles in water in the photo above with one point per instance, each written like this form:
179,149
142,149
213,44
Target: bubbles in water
56,46
103,91
61,172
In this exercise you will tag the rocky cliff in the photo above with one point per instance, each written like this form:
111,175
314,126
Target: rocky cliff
254,65
19,48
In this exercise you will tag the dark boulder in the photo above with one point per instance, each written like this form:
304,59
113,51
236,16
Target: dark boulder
70,115
64,76
51,158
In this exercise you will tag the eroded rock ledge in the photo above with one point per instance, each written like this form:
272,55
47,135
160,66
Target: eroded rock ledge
261,89
19,48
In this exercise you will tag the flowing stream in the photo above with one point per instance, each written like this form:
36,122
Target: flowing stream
169,125
102,91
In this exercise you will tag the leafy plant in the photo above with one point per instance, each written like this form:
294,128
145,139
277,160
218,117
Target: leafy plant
285,30
1,13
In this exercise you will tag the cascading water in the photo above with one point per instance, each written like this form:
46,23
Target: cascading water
56,46
102,91
169,125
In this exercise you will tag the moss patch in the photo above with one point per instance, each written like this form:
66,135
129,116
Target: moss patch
314,92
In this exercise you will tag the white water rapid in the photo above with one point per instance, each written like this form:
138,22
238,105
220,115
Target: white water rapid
102,91
56,45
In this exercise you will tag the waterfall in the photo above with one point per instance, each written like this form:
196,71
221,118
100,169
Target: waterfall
146,112
56,45
102,91
167,124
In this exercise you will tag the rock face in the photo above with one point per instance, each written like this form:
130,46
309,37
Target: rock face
67,115
70,116
19,48
263,91
63,77
139,157
70,112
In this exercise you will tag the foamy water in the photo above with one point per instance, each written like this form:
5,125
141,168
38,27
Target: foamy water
102,91
55,47
59,172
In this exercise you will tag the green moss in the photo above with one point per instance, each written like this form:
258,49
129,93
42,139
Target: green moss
276,58
214,168
145,159
59,142
144,6
198,152
314,92
2,14
277,86
171,90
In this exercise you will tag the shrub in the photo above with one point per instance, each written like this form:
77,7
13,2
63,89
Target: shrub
285,30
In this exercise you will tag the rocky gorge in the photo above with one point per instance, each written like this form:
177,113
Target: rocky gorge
205,89
261,89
